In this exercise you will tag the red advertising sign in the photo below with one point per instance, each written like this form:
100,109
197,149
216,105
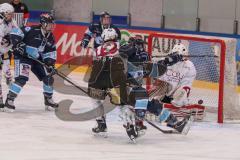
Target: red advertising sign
68,40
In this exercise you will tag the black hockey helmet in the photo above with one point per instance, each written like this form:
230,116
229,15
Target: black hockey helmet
46,18
47,22
105,19
138,42
104,14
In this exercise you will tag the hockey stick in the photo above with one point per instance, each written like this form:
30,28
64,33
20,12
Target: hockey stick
189,56
154,125
160,129
60,74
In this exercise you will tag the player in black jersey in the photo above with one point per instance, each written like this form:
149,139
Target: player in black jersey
95,30
36,42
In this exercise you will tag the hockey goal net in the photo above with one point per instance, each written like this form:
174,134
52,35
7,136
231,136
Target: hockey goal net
214,60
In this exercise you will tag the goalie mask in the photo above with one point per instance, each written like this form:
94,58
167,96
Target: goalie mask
180,49
109,34
6,12
47,22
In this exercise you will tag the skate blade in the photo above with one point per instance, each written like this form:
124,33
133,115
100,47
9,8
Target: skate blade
187,126
133,139
8,110
2,110
101,134
49,108
141,133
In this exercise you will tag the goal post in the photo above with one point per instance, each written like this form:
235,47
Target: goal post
222,63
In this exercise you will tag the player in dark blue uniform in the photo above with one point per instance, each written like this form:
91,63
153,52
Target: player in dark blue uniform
95,31
29,43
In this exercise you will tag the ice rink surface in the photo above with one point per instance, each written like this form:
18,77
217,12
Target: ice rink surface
30,133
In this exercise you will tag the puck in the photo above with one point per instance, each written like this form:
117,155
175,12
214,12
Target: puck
200,101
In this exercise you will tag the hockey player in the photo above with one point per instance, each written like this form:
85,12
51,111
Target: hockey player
36,42
179,77
134,52
6,25
107,75
180,74
95,31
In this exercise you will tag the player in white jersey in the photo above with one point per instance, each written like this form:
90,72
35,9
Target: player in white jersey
6,25
110,46
179,78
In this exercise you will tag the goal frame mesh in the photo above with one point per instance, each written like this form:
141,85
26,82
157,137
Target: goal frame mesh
222,54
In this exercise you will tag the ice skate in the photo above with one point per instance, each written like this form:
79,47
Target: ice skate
182,126
9,105
101,128
131,132
140,128
50,104
1,105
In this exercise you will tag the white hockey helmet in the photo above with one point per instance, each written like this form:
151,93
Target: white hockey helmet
180,48
109,34
6,8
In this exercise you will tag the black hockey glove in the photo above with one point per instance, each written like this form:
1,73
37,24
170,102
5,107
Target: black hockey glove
173,58
84,43
51,70
50,63
20,48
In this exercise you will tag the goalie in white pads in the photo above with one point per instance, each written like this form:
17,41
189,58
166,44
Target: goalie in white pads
179,78
174,87
6,25
180,74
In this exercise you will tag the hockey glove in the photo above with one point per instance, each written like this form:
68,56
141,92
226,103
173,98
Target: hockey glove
20,48
84,43
173,58
50,65
51,70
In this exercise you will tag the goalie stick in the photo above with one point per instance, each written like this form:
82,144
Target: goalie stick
170,131
164,131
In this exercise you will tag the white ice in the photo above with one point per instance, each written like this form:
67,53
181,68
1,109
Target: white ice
30,133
